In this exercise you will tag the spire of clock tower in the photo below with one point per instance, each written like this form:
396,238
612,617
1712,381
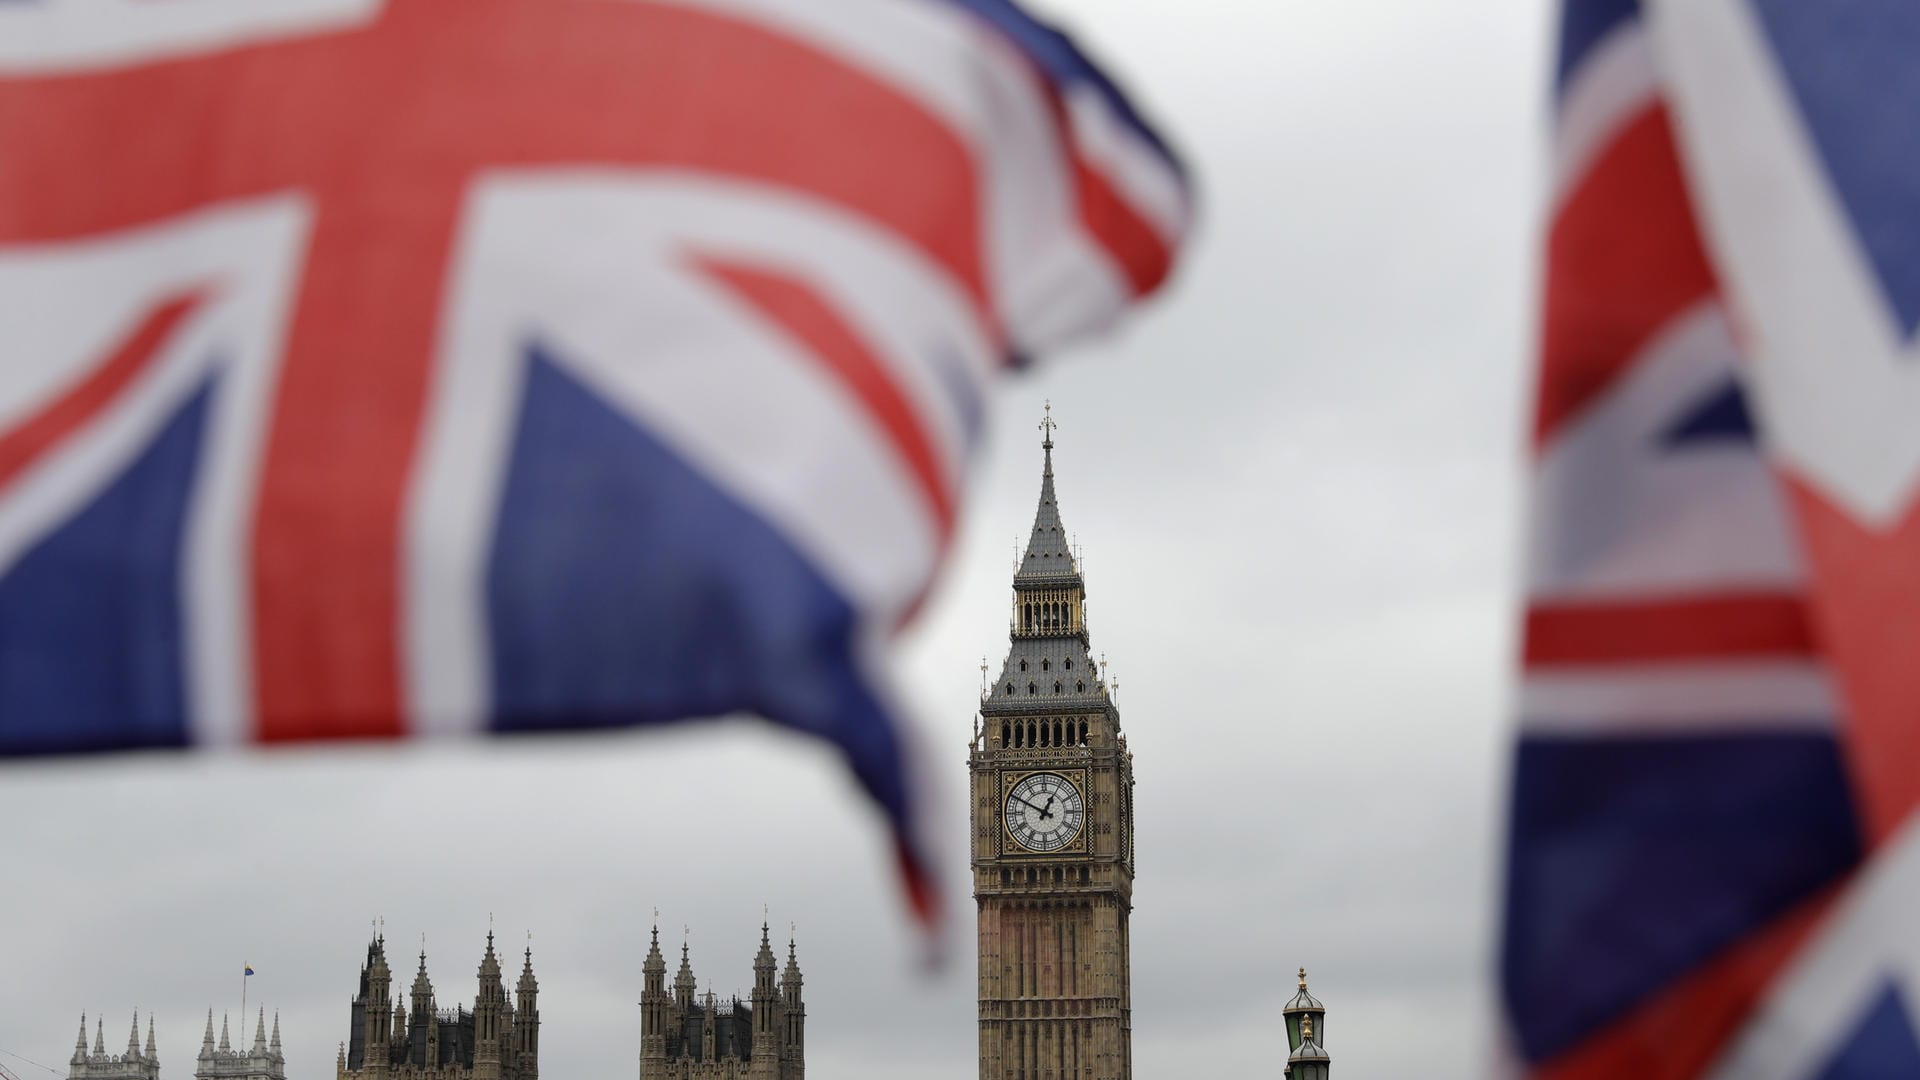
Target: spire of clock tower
1049,664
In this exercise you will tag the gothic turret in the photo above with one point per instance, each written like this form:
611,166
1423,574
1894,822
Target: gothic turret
424,1042
80,1044
526,1023
421,1007
766,1011
378,1026
697,1034
794,1011
226,1061
489,1017
653,1007
98,1064
683,984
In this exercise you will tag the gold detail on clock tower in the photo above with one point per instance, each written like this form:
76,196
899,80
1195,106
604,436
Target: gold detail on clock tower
1052,811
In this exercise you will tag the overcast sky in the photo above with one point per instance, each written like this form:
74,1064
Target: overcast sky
1295,478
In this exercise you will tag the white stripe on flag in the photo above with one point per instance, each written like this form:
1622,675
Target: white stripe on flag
1769,695
1613,84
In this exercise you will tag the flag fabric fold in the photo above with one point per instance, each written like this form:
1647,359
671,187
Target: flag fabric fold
379,368
1710,861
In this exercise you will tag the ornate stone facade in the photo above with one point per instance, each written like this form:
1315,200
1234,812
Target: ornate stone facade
224,1062
684,1036
97,1064
1052,814
498,1040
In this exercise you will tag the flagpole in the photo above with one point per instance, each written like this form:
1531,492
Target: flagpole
243,1002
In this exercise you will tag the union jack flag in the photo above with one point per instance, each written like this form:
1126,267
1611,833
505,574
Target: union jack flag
388,367
1713,867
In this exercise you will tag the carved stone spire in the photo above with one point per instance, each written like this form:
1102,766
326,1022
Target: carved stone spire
99,1037
206,1041
1049,666
683,984
152,1051
226,1045
133,1036
80,1043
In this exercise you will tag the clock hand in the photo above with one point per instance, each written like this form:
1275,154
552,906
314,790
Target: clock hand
1030,806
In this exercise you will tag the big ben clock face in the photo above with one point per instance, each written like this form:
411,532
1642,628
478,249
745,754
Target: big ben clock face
1044,812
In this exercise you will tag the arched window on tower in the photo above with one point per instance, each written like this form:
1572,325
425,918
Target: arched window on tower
1006,732
1083,733
1032,689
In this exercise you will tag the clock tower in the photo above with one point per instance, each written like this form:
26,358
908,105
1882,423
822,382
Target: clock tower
1052,813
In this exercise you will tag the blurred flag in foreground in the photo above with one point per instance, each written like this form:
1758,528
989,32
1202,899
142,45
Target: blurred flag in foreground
372,368
1714,868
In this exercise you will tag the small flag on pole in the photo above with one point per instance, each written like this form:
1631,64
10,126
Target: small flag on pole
249,969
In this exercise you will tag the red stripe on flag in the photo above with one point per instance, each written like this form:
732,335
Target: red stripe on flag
799,309
1623,259
1677,1033
133,355
1132,241
1723,626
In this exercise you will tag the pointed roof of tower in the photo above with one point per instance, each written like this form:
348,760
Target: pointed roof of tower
206,1041
490,963
80,1044
655,961
1050,665
528,984
1049,557
685,976
260,1032
422,985
274,1046
225,1044
151,1051
99,1035
763,960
